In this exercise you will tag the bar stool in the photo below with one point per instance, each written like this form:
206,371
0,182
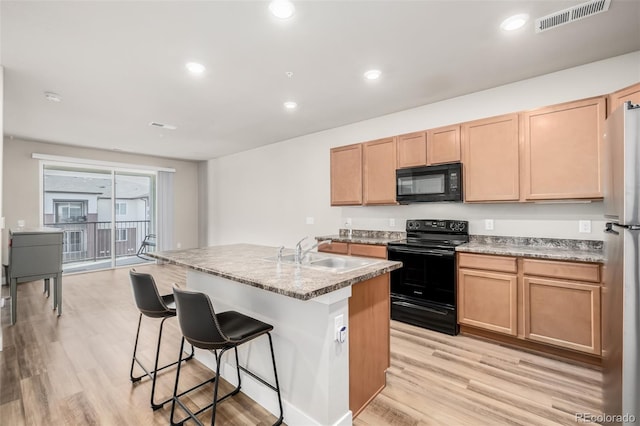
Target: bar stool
205,329
152,305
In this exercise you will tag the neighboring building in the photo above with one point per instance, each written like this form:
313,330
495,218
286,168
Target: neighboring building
81,204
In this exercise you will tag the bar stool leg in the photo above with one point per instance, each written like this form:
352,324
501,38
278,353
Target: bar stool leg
275,374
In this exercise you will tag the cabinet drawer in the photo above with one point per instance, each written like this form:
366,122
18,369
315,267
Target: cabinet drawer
337,248
368,250
566,270
488,262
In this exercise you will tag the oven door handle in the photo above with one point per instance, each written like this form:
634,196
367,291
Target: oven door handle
430,252
421,308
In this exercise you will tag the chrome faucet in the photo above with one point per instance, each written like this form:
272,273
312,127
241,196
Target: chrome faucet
301,254
297,257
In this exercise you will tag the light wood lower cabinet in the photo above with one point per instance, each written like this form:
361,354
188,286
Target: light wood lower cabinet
369,322
544,301
488,300
369,325
562,313
355,249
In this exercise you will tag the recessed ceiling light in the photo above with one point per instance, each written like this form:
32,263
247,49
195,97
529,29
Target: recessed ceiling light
290,105
195,68
53,97
514,22
372,74
282,9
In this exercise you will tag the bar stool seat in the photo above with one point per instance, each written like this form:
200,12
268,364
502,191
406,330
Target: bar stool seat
205,329
152,305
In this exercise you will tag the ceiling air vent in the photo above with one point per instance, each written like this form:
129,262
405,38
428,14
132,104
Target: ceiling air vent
571,14
162,126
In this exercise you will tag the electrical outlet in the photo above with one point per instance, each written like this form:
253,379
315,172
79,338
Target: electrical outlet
338,324
584,226
179,245
488,224
392,222
347,221
310,220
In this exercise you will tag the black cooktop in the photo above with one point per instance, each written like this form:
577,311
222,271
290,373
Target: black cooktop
435,233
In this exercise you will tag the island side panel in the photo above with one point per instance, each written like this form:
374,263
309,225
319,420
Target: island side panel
369,355
313,369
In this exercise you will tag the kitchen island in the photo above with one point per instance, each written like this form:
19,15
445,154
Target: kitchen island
305,304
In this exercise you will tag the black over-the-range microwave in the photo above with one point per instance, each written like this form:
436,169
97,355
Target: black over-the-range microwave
429,183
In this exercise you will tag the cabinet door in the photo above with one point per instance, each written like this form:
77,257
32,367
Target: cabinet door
443,145
490,157
379,162
369,336
346,175
563,150
631,93
412,150
562,313
488,300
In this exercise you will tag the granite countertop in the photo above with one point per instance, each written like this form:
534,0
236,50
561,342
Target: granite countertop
256,266
361,236
541,248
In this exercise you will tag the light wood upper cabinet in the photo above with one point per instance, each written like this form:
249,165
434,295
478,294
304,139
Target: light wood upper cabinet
631,93
443,145
562,313
563,150
434,146
346,175
412,150
490,153
379,171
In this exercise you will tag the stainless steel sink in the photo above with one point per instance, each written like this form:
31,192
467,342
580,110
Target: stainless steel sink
327,262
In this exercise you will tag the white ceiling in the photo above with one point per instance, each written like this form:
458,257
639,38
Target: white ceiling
119,65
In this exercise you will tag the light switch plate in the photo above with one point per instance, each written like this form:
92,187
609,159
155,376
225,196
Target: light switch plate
310,220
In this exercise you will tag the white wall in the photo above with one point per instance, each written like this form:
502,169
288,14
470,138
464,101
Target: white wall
264,196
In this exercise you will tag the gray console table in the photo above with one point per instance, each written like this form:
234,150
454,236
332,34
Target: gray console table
35,254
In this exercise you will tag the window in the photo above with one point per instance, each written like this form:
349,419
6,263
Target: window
121,208
70,211
122,235
73,241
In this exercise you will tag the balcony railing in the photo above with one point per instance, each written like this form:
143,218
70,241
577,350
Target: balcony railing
87,241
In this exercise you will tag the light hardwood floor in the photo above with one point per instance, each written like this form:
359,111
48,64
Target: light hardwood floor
74,370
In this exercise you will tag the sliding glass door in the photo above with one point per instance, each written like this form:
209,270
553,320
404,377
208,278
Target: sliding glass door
108,216
134,207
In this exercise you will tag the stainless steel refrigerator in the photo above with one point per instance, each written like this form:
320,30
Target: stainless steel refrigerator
621,291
